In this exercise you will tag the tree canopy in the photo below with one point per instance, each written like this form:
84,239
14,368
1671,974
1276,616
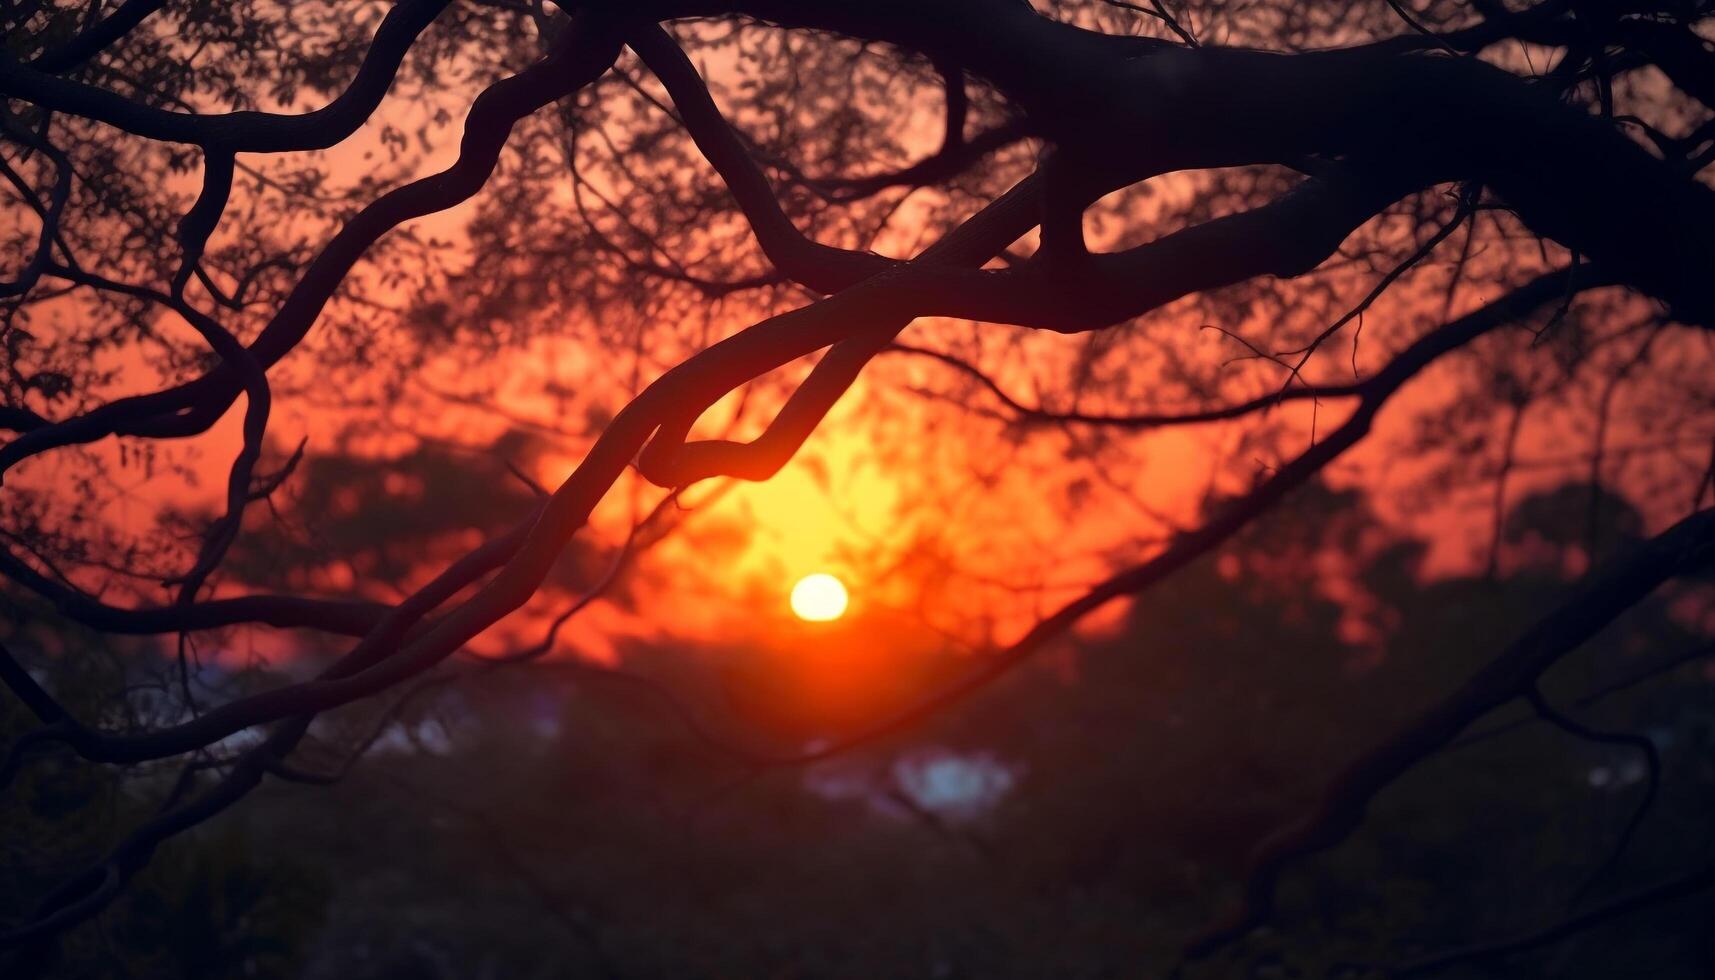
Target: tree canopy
361,352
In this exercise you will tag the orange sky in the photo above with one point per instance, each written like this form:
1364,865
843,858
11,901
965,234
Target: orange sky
840,508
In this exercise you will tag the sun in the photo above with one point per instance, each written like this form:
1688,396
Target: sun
819,598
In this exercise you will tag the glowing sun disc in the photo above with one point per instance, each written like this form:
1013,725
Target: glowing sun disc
819,598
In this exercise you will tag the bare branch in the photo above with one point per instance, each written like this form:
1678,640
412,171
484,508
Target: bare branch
1687,547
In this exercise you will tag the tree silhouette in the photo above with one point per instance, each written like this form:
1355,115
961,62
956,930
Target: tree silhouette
707,195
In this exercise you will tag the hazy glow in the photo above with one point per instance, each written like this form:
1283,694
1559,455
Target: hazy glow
819,598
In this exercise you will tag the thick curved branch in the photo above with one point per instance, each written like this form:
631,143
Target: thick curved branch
869,315
1284,238
244,131
20,419
339,616
1287,237
1570,176
823,268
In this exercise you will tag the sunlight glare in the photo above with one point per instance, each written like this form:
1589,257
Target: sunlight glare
819,598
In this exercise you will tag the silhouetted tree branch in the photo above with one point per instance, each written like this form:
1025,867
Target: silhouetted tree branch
1366,131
